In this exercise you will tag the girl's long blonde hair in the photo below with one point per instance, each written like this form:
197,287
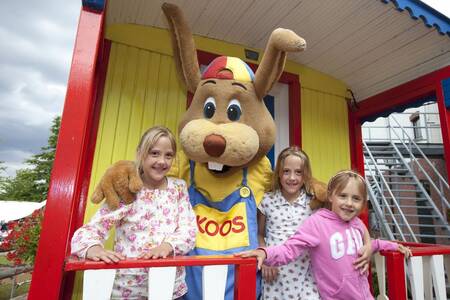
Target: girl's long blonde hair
306,168
148,140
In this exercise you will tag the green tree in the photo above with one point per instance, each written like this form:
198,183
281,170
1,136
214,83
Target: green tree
31,184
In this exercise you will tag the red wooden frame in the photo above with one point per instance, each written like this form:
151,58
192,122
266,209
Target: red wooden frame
426,85
75,264
444,117
73,159
356,153
401,95
292,80
395,266
245,268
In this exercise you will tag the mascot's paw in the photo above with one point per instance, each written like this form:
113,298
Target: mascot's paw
287,40
120,182
319,199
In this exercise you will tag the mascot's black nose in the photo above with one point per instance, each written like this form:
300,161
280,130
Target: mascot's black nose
214,145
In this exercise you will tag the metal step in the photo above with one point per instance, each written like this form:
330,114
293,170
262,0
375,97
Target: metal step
400,190
426,235
409,206
417,216
402,182
399,176
406,198
419,225
384,150
383,157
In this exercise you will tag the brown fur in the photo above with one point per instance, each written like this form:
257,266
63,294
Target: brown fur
319,199
120,181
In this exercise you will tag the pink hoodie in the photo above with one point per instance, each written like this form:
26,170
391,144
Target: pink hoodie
333,245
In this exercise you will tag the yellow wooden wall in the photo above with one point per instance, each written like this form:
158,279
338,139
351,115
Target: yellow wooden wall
141,90
325,132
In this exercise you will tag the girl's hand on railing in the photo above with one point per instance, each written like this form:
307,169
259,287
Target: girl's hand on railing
259,253
269,274
162,251
98,253
405,250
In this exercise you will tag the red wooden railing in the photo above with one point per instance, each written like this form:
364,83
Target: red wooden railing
396,273
245,268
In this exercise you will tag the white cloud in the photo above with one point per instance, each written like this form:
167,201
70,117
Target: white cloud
35,54
17,157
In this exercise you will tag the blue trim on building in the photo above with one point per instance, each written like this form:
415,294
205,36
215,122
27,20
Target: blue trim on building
446,90
399,109
97,5
430,17
269,101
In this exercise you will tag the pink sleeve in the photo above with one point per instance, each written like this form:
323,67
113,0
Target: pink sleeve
378,245
304,238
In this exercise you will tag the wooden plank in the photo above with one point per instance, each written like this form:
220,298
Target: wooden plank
129,56
415,272
214,282
76,264
137,102
98,284
161,283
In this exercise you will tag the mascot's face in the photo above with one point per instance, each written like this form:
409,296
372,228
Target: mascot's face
226,125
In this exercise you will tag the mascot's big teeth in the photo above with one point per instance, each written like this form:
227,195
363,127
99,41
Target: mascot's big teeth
215,166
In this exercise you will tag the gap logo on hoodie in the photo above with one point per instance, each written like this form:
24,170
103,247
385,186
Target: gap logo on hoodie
345,244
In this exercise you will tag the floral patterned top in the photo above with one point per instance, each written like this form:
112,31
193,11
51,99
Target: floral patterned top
155,216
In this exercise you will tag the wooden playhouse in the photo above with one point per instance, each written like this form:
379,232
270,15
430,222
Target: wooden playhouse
364,58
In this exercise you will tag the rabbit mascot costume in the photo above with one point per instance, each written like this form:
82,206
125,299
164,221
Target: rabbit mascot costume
225,134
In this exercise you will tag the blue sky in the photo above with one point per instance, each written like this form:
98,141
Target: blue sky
36,47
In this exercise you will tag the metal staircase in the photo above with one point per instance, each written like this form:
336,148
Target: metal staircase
408,196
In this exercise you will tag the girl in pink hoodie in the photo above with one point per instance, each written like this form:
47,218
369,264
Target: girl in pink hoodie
333,238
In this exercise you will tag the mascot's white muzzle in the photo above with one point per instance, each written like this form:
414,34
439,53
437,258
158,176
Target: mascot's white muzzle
232,144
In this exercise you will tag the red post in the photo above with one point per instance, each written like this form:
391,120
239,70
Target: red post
396,282
295,108
71,161
444,117
245,281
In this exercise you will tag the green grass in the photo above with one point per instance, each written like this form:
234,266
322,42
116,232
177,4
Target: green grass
4,261
5,284
5,289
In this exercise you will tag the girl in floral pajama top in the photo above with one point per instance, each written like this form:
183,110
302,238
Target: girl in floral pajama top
159,223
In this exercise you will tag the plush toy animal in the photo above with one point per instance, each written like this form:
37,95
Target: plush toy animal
225,135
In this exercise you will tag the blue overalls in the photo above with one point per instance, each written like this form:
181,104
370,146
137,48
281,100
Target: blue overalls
194,274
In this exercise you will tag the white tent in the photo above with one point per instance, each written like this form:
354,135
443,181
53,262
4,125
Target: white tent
14,210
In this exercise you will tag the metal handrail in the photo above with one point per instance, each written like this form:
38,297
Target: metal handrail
423,154
405,221
378,210
442,180
422,189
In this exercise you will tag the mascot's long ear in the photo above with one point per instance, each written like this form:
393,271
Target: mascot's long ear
183,46
272,64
